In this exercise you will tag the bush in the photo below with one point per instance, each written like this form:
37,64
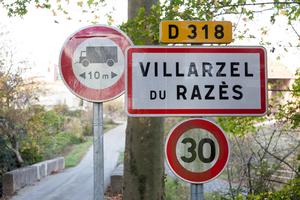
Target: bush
175,190
54,145
31,152
7,160
73,126
291,191
50,132
87,129
44,122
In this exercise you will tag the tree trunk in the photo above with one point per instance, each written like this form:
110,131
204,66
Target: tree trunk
144,168
15,148
143,163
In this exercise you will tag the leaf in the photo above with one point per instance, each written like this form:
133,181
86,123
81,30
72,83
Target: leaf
80,4
90,2
54,13
284,12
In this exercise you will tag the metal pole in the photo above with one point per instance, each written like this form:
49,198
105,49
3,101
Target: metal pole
197,192
98,151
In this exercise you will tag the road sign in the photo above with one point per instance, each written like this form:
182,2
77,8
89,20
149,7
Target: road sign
92,63
195,31
197,150
205,81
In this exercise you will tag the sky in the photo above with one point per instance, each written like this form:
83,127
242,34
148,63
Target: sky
39,35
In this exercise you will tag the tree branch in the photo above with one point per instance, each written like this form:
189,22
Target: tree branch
229,181
295,30
241,13
276,181
282,160
260,4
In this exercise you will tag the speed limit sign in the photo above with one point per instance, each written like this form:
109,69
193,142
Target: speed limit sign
197,150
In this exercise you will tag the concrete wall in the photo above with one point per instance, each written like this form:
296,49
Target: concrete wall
116,180
19,178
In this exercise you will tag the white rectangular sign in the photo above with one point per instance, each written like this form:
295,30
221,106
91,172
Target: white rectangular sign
202,81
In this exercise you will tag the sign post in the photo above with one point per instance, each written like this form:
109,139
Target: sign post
197,191
92,66
98,151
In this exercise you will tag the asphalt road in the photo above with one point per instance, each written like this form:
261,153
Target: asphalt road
77,183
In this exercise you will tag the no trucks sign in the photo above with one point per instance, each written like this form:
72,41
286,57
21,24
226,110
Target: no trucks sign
206,81
92,63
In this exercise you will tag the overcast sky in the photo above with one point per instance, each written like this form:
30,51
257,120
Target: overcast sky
38,38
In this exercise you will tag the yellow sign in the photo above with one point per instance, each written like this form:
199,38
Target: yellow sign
195,31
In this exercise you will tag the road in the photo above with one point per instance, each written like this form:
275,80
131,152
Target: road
77,183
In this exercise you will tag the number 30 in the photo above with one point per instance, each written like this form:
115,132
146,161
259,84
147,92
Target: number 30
193,152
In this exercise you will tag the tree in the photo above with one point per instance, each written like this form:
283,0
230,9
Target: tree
16,95
289,112
143,28
144,163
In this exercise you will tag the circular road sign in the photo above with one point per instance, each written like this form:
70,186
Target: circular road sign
197,150
92,63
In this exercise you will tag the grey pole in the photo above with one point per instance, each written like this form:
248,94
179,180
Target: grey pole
98,151
197,192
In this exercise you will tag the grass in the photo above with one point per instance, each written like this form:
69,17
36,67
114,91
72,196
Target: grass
109,124
121,157
76,153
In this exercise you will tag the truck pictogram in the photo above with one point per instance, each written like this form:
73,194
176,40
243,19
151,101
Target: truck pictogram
99,54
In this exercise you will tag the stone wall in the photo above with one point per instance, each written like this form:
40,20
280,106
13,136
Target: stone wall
19,178
116,180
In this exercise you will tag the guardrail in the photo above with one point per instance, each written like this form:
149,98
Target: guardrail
19,178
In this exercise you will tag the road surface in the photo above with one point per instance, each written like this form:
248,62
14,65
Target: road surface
77,183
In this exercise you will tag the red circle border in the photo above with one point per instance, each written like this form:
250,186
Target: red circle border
66,70
178,169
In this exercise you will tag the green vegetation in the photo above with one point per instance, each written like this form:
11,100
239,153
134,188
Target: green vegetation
50,132
30,133
45,134
256,155
109,124
74,156
121,158
77,152
258,151
176,190
290,191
